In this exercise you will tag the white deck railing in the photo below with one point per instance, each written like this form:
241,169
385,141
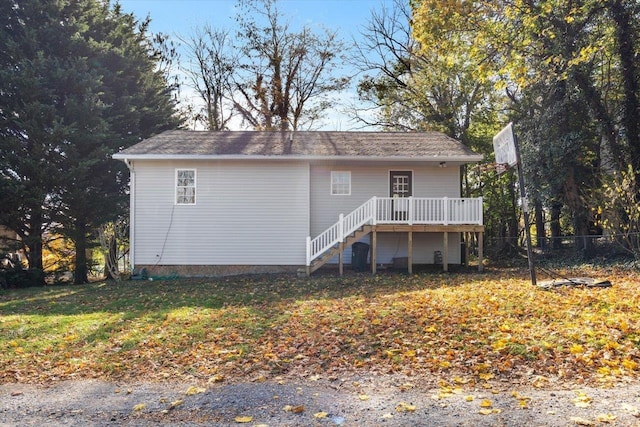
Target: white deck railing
388,210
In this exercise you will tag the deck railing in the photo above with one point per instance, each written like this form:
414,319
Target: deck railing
393,210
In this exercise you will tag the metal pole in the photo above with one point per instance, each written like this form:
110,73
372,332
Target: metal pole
525,210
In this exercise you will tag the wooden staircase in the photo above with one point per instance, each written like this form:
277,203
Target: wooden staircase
338,248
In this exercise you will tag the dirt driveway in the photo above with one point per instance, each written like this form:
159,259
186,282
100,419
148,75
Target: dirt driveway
314,401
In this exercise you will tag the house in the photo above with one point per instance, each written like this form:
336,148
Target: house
10,244
209,203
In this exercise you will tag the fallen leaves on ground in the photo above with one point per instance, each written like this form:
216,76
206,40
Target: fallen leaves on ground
489,411
523,401
405,407
194,390
580,421
298,409
474,328
485,403
486,408
173,405
581,400
606,418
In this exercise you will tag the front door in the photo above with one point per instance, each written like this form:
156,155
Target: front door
400,187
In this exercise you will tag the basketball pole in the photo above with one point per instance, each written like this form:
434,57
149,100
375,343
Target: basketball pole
525,210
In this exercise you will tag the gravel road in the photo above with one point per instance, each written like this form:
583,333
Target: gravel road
314,401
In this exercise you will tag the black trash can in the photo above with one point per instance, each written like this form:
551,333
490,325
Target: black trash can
359,254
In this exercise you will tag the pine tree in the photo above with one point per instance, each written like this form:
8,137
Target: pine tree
79,81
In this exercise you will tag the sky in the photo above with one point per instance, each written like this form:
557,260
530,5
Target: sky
182,17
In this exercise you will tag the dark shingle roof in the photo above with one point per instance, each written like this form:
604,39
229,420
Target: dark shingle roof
308,144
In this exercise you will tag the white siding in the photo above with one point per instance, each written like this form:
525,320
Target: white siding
368,180
395,245
246,213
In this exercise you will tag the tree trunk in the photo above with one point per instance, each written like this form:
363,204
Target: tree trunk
583,241
626,39
111,263
556,230
541,234
34,255
34,240
580,214
466,188
80,242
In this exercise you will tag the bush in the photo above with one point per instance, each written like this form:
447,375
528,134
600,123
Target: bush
619,210
14,276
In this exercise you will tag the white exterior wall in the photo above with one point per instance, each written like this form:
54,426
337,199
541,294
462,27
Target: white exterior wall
372,179
246,213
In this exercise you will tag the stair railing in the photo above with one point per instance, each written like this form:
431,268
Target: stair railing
362,215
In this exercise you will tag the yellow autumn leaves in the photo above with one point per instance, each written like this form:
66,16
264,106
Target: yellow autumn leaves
486,408
474,327
583,401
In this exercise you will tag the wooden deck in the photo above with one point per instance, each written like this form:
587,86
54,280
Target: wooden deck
338,250
397,215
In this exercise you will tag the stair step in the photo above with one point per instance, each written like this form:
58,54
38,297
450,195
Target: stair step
334,250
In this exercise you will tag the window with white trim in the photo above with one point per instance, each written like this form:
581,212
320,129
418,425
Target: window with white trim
340,183
185,186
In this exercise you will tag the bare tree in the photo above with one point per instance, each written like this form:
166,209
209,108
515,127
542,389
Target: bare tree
285,76
386,56
412,88
210,65
114,245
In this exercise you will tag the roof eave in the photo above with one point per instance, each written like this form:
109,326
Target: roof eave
469,158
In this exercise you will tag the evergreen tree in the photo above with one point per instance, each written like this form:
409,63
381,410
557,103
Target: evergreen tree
79,81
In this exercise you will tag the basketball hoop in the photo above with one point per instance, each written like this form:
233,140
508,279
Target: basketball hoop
504,147
501,168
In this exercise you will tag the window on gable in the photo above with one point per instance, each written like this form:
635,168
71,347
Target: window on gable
185,186
340,183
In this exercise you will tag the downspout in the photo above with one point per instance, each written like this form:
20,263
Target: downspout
132,211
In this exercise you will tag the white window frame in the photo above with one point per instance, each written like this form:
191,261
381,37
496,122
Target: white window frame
334,177
178,187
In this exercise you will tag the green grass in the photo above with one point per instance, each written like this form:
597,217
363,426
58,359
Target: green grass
444,325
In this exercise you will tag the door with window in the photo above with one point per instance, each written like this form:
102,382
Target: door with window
400,187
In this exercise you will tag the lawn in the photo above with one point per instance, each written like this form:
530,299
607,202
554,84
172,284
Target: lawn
460,328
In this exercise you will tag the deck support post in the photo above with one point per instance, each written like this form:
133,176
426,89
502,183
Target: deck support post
374,250
341,258
445,252
410,253
467,245
480,250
